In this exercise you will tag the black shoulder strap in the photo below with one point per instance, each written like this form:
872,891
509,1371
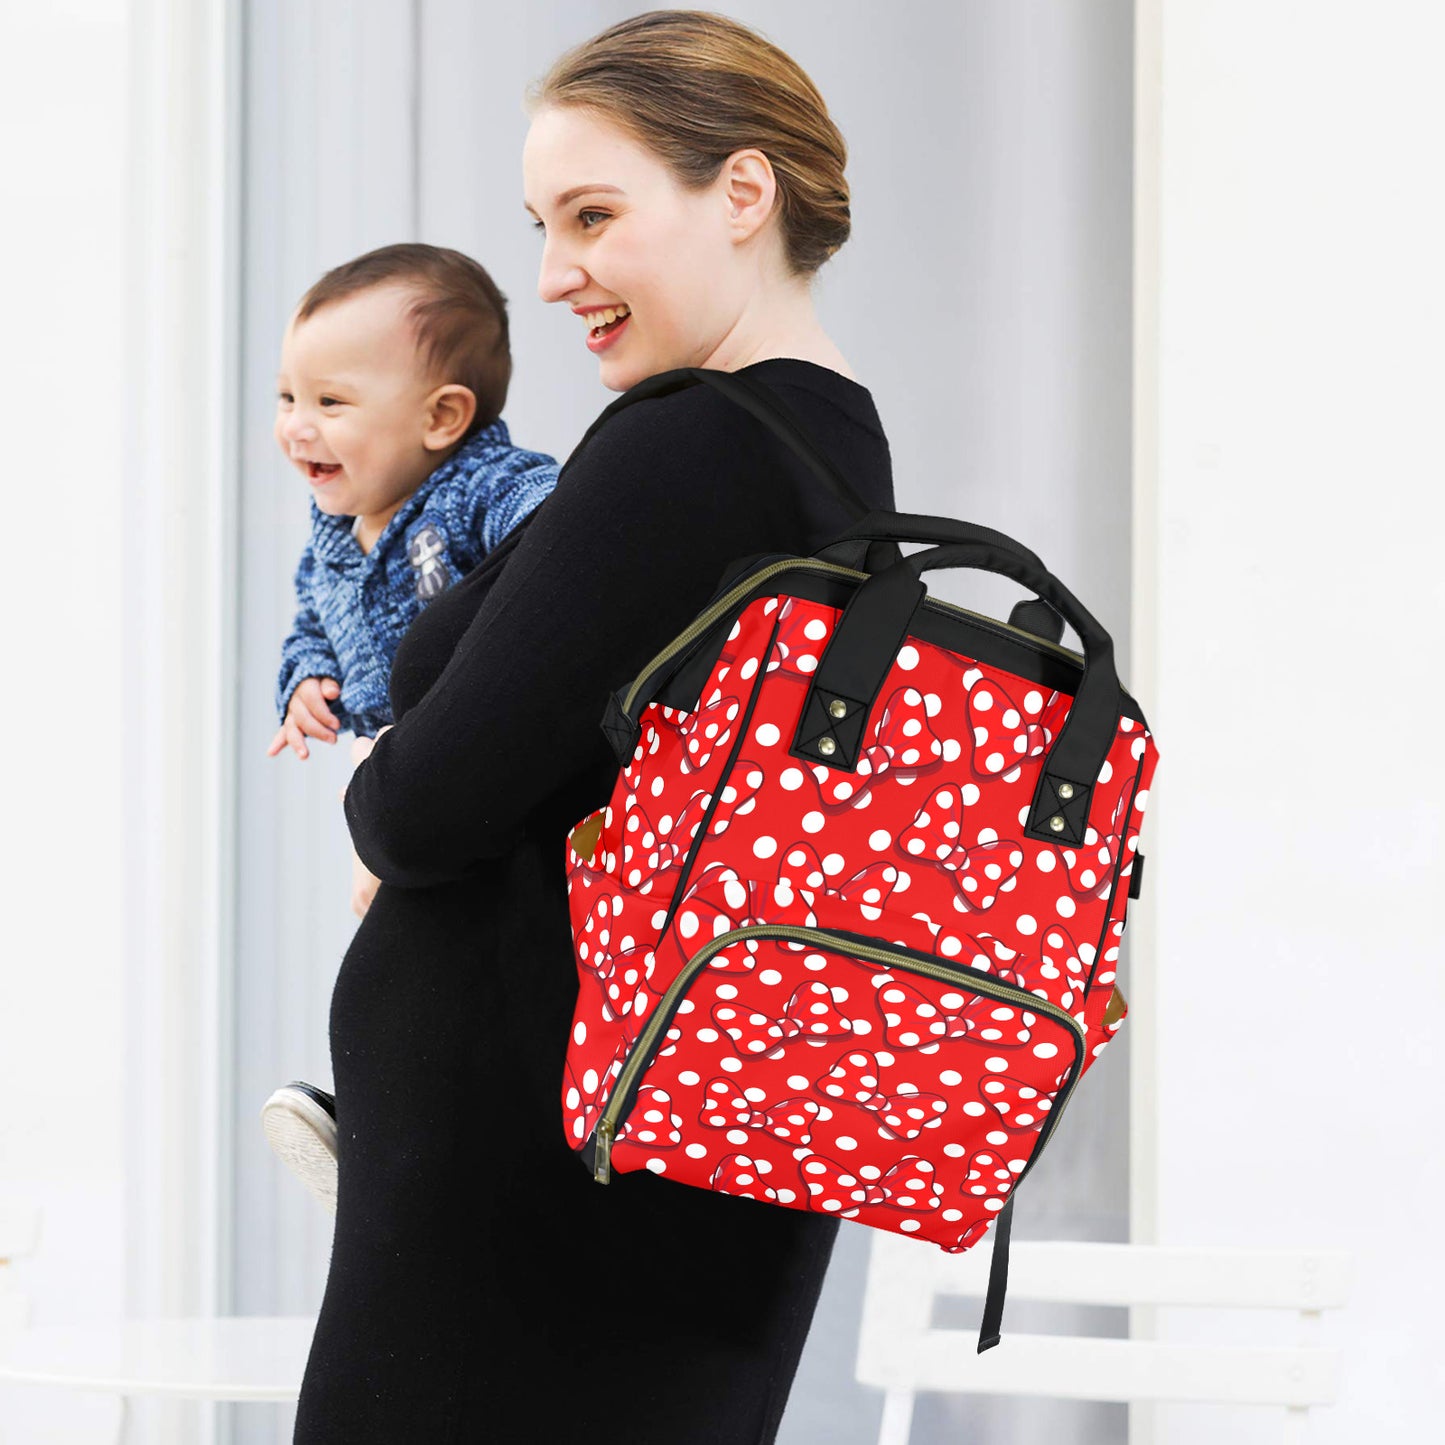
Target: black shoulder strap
752,397
991,1330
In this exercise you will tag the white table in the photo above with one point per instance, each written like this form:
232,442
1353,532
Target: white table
232,1358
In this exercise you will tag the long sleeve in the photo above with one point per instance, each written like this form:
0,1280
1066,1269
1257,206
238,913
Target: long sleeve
617,560
306,652
518,495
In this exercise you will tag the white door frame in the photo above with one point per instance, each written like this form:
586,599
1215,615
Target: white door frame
182,288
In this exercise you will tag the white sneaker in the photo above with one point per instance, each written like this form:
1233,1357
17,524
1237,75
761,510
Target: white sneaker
300,1124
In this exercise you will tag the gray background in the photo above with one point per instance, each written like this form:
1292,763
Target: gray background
984,298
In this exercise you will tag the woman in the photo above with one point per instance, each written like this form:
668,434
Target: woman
683,173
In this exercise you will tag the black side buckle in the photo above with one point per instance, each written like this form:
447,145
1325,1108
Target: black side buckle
1136,876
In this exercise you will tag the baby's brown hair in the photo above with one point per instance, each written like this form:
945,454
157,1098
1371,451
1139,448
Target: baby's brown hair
458,314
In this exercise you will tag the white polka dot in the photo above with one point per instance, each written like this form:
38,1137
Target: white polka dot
696,1151
1046,862
687,924
813,822
579,1034
1033,701
770,976
790,779
1045,1051
1065,907
1027,923
833,863
950,1077
658,1166
982,699
765,847
766,734
1141,798
816,629
846,1142
908,657
798,1081
590,1081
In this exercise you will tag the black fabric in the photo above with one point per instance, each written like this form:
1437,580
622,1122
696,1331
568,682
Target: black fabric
482,1286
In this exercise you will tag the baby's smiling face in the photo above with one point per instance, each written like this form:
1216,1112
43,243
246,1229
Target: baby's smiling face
356,414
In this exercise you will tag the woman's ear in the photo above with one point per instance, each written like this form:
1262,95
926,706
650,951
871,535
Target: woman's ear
450,410
749,188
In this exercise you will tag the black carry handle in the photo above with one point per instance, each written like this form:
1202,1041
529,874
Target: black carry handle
913,527
859,655
753,398
859,548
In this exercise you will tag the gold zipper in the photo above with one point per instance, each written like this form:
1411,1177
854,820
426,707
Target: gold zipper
705,620
960,974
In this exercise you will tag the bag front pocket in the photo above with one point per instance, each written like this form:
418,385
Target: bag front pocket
829,1071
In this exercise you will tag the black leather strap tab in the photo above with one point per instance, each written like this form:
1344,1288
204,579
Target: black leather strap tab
832,722
620,730
1060,809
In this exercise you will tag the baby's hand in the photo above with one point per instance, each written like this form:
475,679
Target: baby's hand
307,715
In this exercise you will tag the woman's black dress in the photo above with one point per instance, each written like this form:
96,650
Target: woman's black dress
482,1287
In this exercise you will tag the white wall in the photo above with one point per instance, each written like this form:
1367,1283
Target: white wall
61,1004
1295,830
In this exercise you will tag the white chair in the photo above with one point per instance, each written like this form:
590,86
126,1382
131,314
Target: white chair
231,1358
901,1353
19,1233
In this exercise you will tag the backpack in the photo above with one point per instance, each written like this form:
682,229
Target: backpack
846,931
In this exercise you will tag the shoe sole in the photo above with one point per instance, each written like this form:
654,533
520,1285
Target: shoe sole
303,1134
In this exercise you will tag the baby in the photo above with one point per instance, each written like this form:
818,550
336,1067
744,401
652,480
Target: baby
394,371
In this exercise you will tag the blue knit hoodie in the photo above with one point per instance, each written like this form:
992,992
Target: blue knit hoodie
355,605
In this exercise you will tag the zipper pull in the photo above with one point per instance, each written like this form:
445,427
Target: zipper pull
602,1153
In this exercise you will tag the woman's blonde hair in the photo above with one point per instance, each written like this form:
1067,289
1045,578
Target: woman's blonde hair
693,87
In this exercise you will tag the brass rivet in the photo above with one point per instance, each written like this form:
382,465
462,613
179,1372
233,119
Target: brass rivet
1056,823
837,708
827,747
1066,791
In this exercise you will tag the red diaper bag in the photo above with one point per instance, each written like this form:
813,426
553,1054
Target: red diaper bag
846,930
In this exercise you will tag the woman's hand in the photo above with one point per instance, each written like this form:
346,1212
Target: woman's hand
364,884
361,747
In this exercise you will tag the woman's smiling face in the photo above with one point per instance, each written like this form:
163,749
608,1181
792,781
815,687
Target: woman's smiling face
619,232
